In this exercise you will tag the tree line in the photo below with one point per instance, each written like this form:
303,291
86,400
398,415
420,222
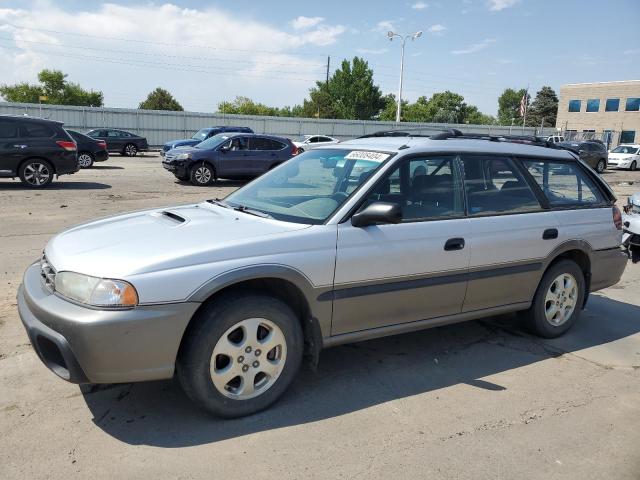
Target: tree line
350,93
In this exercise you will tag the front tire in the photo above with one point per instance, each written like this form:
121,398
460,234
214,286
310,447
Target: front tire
601,165
202,174
241,354
558,300
36,173
633,166
85,160
130,150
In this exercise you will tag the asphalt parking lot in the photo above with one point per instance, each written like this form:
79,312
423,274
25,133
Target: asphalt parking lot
474,400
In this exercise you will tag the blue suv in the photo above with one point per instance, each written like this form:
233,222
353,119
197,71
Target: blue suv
200,136
228,155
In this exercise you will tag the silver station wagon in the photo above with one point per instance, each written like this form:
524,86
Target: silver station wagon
343,243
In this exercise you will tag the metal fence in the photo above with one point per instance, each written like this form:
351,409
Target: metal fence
161,126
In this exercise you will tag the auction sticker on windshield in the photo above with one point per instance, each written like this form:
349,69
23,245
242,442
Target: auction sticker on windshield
364,155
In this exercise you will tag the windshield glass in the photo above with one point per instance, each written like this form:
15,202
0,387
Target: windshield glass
200,134
625,149
213,142
310,187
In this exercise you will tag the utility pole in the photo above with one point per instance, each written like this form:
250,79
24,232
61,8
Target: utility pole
403,39
328,66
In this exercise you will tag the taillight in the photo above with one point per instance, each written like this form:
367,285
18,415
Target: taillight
67,145
102,144
617,217
294,149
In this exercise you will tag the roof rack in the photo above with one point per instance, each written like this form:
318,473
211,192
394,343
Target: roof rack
404,132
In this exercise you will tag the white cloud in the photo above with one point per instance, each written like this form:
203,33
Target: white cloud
633,51
497,5
437,29
385,26
476,47
372,51
185,50
303,22
419,6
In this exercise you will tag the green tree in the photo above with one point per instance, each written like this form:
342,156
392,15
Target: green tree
388,112
246,106
544,108
509,106
160,99
53,85
350,93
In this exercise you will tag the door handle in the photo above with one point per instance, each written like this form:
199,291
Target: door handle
454,244
550,233
20,146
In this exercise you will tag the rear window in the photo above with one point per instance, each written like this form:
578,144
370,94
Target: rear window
563,183
37,130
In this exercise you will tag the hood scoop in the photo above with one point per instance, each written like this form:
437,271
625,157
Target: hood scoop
169,217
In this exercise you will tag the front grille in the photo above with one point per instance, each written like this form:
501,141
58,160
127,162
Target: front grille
47,273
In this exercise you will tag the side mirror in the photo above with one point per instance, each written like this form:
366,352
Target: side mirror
378,212
224,149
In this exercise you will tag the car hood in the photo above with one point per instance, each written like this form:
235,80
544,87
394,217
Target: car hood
159,239
179,143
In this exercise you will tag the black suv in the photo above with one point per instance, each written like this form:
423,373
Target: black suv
592,152
119,141
35,150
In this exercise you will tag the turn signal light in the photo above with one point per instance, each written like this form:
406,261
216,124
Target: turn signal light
617,218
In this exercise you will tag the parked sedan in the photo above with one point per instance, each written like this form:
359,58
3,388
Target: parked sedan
228,155
592,152
307,142
89,149
625,156
119,141
200,136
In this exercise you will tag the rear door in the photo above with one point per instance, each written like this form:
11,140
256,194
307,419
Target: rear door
511,232
414,270
265,153
11,146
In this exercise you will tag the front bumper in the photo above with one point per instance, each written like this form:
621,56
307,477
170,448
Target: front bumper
86,345
180,168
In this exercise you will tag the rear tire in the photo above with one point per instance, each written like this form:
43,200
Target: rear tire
241,353
601,165
558,300
202,174
85,160
36,173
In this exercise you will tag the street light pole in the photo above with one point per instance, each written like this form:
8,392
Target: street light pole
403,39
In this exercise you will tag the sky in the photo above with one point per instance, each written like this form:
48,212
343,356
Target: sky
274,51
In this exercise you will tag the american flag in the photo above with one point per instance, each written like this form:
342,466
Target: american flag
523,104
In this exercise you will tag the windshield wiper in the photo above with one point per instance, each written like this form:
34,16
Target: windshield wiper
251,211
220,203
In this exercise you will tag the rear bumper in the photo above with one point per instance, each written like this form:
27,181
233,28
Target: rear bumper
607,266
100,156
81,344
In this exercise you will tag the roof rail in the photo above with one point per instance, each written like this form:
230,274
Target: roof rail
404,132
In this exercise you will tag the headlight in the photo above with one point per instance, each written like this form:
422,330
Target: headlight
183,156
97,292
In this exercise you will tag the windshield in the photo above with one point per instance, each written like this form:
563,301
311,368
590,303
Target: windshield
201,134
213,142
625,149
310,187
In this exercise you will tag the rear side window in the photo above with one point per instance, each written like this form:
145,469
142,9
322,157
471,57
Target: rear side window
8,129
563,183
37,130
494,185
260,143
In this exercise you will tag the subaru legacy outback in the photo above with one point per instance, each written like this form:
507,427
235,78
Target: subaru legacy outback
343,243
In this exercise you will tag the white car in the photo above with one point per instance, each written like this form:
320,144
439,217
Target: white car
624,156
555,138
307,142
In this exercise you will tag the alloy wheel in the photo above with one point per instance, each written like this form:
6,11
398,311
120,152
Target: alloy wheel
131,150
202,175
248,359
84,160
36,174
561,298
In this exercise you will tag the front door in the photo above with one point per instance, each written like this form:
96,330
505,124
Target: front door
235,158
414,270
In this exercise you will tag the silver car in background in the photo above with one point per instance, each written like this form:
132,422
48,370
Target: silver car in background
343,243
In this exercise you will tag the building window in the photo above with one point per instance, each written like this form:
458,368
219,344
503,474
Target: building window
627,136
633,104
574,105
593,105
613,105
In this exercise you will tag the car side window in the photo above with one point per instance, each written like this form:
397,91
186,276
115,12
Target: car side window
238,143
261,143
314,140
425,188
494,185
9,129
37,130
563,183
113,133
